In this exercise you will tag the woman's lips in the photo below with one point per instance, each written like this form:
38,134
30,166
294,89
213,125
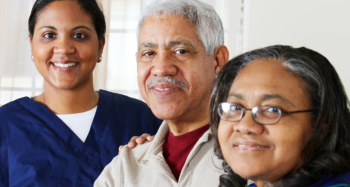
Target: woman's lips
250,146
64,65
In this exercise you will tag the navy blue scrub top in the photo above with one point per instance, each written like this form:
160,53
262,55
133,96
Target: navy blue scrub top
38,149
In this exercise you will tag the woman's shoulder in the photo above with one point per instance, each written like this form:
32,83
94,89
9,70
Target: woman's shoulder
330,180
341,180
14,105
16,111
122,99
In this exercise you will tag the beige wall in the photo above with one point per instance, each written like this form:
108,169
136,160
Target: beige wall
322,25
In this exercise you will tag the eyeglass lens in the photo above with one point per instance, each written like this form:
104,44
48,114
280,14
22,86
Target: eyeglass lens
260,114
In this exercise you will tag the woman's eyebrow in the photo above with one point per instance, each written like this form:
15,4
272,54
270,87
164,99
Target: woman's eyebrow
79,27
263,97
276,96
48,27
237,95
75,28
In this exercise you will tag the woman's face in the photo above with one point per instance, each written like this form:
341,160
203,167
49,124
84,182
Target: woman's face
266,152
65,45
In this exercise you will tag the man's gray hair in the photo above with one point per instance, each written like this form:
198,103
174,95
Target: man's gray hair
203,16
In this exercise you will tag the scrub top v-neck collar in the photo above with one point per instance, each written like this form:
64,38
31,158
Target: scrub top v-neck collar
87,151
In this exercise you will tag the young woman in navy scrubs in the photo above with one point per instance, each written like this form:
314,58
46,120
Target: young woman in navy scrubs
70,132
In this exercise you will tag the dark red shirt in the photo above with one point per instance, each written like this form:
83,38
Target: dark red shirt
177,148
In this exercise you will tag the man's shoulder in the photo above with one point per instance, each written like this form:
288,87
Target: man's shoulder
136,153
124,168
128,158
206,157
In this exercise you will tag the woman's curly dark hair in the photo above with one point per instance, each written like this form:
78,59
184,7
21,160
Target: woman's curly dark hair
328,149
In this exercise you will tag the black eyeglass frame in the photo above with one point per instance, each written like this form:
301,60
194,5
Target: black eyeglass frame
280,111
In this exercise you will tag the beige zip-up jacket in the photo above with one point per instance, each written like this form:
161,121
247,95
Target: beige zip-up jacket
145,166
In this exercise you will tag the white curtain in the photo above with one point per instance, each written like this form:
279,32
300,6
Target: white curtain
117,71
18,75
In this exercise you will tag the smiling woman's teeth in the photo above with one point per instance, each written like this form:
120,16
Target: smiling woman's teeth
64,65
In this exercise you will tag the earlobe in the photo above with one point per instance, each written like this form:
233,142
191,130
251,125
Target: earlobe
31,48
102,42
221,55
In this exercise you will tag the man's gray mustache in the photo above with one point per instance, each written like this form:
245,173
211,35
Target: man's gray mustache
167,79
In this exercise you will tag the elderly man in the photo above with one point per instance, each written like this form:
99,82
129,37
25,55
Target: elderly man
180,50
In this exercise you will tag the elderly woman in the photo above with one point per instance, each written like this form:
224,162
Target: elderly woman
281,118
70,132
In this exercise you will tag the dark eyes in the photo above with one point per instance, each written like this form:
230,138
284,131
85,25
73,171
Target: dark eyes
273,110
236,107
264,109
79,36
49,35
76,35
181,51
179,54
150,53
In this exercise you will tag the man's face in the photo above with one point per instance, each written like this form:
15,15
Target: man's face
174,72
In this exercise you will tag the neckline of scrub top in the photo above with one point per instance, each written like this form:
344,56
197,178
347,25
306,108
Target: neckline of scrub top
88,150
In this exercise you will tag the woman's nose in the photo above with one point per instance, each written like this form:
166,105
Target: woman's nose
247,125
64,46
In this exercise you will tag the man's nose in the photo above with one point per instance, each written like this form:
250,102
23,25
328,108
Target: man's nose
164,65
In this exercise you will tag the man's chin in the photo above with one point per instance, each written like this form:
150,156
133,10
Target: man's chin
166,115
167,112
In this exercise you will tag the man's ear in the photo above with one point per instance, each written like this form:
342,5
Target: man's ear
221,56
101,44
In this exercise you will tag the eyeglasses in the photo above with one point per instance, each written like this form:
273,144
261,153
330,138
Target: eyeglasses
265,115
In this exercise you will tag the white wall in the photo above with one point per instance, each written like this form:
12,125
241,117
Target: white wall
322,25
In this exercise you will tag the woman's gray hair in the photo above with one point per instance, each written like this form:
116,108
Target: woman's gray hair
203,16
328,148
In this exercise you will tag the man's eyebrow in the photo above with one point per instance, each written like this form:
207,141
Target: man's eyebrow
276,96
48,27
179,42
147,45
79,27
